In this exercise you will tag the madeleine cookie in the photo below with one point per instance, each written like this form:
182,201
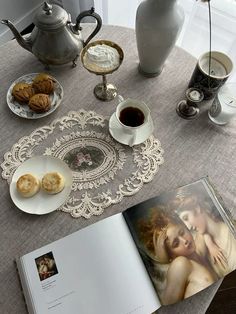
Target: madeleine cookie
53,182
40,103
43,83
22,92
27,185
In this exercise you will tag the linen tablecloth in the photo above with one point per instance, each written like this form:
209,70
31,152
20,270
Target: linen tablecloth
193,149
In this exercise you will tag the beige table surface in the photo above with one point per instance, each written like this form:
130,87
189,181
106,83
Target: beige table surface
193,149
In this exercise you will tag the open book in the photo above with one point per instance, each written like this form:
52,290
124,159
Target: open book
160,251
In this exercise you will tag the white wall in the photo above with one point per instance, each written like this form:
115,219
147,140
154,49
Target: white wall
19,12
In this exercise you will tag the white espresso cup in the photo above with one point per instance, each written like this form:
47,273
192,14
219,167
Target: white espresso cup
134,123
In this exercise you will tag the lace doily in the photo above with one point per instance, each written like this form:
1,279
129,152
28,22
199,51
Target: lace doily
104,171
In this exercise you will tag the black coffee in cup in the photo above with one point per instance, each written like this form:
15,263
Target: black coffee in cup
131,116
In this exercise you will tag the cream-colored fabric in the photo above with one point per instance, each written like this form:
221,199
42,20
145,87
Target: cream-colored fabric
193,149
104,171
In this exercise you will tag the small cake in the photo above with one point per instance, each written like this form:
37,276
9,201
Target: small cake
40,103
22,92
43,83
27,185
53,182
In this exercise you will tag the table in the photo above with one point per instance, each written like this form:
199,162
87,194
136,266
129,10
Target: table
193,149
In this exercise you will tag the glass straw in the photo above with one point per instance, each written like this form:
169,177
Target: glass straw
209,12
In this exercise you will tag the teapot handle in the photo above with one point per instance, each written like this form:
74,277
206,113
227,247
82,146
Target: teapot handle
88,13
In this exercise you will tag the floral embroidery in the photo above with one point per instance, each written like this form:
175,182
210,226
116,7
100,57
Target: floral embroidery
104,171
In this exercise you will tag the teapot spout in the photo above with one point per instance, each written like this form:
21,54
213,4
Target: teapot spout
25,43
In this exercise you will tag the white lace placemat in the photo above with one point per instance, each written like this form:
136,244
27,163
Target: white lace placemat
104,171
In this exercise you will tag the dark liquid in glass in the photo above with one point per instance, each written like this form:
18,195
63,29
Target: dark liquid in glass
131,116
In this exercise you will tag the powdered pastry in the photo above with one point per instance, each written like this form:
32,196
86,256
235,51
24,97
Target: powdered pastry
22,92
43,83
40,103
53,182
27,185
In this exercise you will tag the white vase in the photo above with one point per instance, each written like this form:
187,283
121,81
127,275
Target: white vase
158,24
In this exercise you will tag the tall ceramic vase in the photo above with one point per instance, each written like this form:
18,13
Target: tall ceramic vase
158,24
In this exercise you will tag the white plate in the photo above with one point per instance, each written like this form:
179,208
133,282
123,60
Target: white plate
41,203
23,110
118,134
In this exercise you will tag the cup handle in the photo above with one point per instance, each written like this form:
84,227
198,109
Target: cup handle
120,98
132,140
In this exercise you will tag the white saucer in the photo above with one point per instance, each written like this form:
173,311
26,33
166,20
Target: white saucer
119,135
41,203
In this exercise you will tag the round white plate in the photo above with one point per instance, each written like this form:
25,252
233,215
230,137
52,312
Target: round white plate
23,110
41,203
118,134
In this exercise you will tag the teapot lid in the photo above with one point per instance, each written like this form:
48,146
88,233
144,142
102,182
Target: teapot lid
50,16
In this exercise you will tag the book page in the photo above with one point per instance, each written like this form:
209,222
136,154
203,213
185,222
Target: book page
96,270
185,239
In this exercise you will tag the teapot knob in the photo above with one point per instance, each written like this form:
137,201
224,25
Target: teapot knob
47,8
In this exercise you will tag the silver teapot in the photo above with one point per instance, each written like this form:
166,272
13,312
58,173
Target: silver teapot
55,40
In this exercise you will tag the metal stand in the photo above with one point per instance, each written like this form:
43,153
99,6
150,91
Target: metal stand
105,91
74,62
188,109
46,66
